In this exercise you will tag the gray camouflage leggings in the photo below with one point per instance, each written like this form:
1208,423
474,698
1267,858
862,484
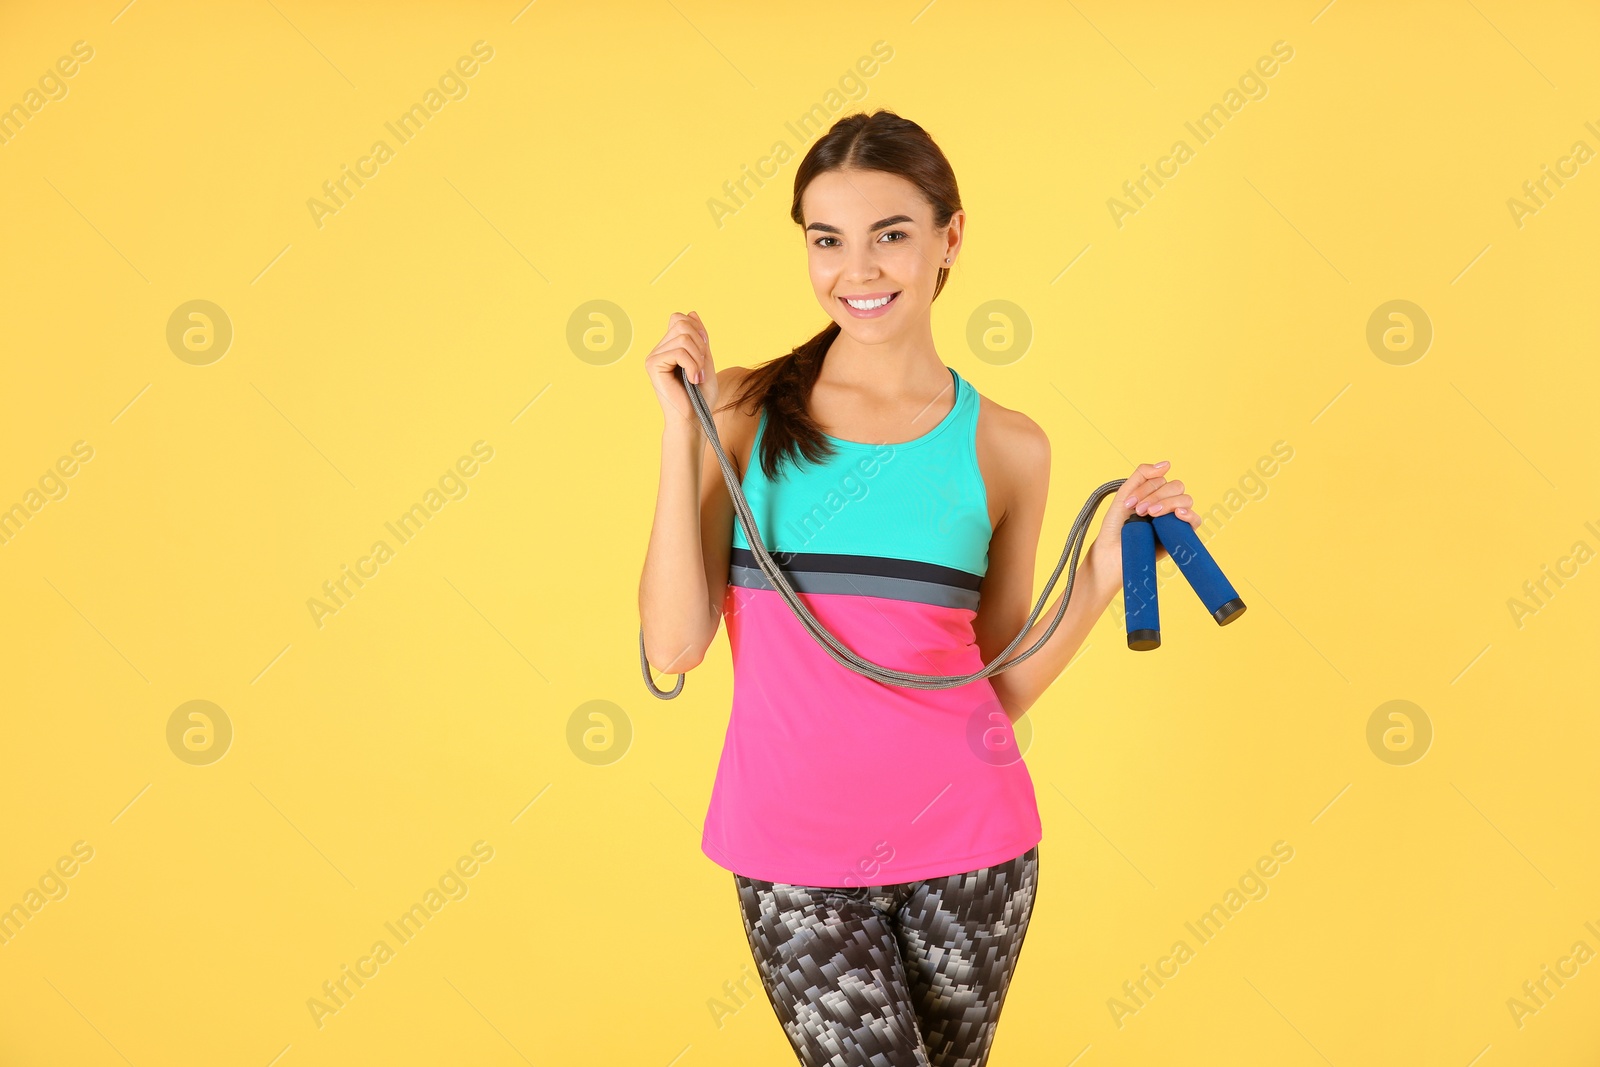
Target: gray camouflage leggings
906,975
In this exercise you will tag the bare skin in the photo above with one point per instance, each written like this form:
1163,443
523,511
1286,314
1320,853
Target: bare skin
870,233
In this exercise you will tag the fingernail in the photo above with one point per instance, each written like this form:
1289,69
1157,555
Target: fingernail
1130,502
1163,463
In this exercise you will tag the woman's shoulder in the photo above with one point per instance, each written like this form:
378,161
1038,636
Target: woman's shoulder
1009,432
1013,456
736,423
731,383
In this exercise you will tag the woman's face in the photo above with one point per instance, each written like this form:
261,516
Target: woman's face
870,236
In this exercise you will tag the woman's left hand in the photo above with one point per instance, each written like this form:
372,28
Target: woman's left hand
1146,492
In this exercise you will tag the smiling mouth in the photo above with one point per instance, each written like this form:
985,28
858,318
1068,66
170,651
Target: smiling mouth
873,304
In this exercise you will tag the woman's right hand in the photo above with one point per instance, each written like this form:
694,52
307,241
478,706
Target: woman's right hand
685,344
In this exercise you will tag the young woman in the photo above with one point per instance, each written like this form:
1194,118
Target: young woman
883,839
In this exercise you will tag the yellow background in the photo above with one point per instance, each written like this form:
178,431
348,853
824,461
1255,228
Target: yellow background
431,711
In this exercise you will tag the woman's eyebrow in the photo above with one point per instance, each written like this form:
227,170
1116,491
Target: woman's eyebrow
880,224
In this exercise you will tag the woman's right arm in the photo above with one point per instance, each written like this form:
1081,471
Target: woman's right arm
685,574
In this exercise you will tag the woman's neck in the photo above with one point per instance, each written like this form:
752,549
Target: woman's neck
899,367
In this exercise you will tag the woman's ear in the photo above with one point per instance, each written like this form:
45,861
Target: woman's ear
953,231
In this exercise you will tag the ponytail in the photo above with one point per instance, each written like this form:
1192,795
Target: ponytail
782,387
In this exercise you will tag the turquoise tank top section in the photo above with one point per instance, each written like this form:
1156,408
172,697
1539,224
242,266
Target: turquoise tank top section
922,500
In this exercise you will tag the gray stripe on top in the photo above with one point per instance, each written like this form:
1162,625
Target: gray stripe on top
945,596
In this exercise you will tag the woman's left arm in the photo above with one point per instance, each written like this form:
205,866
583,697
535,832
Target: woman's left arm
1007,593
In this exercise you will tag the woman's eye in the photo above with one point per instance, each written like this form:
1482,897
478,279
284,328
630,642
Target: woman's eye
819,241
896,233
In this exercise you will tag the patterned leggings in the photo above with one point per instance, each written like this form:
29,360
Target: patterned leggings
906,975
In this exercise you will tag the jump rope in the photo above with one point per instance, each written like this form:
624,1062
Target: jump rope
1139,536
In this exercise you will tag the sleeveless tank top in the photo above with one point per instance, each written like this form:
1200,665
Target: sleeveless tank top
829,778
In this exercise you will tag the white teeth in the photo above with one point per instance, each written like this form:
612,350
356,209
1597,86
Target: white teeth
867,305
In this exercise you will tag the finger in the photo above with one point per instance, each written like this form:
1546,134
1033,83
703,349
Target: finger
1146,491
696,373
1160,493
685,325
689,342
680,355
700,325
1177,504
672,352
1141,485
1142,475
679,324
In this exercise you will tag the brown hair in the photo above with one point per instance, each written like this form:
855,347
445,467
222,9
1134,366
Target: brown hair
881,141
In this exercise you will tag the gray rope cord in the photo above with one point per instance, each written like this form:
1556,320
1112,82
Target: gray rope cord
831,644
